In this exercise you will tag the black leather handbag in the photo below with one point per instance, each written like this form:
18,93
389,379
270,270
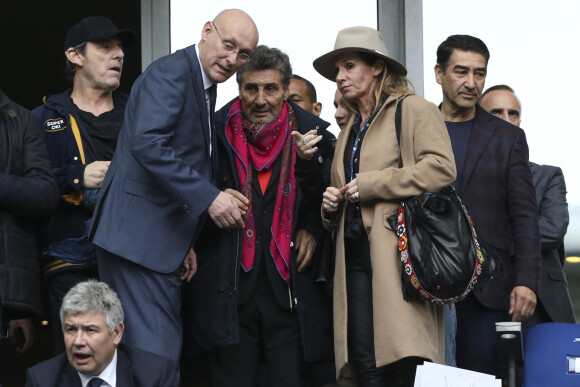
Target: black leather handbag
440,250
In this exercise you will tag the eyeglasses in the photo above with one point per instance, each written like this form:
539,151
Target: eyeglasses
231,48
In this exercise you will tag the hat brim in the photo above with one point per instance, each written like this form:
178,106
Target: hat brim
128,37
325,64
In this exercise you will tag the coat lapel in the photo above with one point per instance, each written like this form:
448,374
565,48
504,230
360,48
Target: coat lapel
483,129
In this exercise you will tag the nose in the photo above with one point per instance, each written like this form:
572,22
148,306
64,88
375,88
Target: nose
79,339
118,53
470,80
260,99
339,76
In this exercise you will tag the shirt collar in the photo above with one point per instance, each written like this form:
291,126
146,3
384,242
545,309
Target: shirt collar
109,374
207,83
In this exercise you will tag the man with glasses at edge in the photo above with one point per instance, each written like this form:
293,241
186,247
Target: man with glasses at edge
160,184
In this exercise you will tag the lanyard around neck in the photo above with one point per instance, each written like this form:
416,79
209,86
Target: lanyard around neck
357,142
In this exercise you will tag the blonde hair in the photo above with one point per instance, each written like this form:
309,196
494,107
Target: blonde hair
388,83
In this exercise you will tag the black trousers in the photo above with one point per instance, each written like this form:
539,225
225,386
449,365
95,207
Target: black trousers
268,331
360,325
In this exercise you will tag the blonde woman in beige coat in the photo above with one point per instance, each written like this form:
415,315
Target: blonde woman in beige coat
378,333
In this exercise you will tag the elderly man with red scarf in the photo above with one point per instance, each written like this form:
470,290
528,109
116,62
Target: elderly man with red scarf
279,314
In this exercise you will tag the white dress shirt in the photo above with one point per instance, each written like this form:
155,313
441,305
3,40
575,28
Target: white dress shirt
109,375
207,83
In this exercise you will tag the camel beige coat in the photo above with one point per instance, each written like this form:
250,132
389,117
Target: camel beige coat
401,328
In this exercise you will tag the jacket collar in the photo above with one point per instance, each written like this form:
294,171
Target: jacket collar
71,377
4,100
341,145
483,130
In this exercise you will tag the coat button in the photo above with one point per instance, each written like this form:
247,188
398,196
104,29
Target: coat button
76,181
76,158
291,244
320,160
258,239
222,288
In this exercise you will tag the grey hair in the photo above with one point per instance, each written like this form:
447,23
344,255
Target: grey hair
266,58
93,296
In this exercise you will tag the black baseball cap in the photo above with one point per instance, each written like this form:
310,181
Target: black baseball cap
95,28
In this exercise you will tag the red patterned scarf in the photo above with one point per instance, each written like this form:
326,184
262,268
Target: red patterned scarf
258,146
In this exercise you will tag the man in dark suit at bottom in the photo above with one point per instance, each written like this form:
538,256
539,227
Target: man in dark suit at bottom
92,319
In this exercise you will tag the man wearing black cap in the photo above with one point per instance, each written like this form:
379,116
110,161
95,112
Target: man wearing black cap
80,128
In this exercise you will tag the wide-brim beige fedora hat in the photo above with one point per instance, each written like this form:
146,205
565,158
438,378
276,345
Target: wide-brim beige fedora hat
356,39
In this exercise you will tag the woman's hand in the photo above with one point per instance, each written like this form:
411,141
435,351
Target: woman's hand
331,198
305,144
350,191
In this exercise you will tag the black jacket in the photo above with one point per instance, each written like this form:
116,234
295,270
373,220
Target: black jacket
135,368
215,286
28,193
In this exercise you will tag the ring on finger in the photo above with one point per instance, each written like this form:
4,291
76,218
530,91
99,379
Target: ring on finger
304,140
331,204
356,195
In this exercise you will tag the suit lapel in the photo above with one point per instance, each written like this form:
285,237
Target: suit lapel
70,377
197,83
124,370
481,134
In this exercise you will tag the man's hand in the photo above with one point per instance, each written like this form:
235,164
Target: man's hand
305,244
305,145
240,199
27,330
224,211
189,266
95,174
522,303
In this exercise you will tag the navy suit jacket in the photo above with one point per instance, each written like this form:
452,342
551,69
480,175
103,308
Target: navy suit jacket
135,368
159,184
500,198
554,218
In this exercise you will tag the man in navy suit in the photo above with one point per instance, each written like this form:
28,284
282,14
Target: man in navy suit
495,184
159,186
92,319
554,304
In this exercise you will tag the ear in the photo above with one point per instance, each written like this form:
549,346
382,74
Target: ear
286,94
118,333
438,73
316,108
378,68
74,56
206,31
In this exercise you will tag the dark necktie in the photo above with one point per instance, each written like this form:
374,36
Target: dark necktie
95,382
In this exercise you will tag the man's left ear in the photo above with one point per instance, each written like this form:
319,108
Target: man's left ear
118,333
316,108
286,94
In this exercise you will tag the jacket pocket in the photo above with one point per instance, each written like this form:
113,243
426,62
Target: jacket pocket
499,242
146,191
555,274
